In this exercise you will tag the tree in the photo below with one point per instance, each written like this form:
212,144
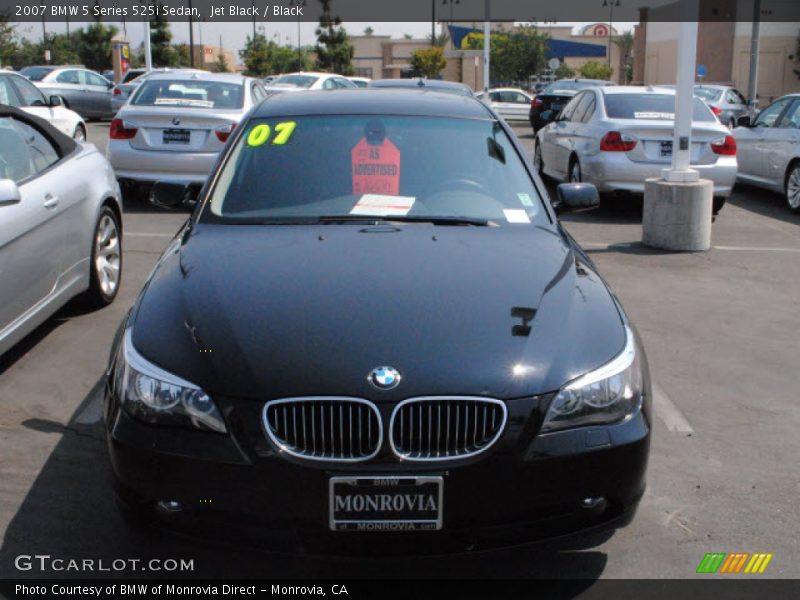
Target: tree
408,36
516,55
439,40
164,55
428,62
595,70
625,44
263,58
222,63
8,39
564,71
255,56
182,55
369,31
334,51
93,45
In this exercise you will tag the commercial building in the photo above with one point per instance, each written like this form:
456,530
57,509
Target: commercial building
723,49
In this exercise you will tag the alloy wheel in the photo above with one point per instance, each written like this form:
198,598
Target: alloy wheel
107,255
793,188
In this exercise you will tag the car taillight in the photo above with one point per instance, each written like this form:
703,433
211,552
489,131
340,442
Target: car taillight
536,103
614,141
224,132
117,91
716,110
725,146
118,131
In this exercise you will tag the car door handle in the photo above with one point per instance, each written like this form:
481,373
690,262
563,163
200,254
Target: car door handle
50,201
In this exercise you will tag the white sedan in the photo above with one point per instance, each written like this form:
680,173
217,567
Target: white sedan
303,81
17,91
618,136
510,103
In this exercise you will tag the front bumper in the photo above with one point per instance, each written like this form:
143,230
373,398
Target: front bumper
615,172
153,165
527,487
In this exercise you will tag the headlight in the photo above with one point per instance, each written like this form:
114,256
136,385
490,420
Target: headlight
609,394
154,395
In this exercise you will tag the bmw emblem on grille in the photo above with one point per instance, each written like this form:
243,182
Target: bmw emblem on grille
176,121
385,378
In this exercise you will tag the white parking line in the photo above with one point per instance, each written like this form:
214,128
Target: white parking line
668,412
138,234
758,249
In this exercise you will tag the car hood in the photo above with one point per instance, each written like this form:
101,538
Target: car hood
278,311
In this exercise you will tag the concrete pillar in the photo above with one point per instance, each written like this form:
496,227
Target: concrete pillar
677,216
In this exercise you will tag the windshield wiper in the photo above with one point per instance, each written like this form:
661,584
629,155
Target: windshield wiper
407,219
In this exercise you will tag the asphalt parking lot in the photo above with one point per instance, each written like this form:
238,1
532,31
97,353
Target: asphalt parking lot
720,330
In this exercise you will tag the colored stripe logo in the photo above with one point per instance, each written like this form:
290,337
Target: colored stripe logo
734,563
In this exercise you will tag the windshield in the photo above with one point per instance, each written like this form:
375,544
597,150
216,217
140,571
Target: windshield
652,106
709,94
568,86
303,169
131,75
188,93
35,73
303,81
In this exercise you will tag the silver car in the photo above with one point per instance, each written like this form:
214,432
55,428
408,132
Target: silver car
616,137
725,101
60,224
84,91
769,149
176,123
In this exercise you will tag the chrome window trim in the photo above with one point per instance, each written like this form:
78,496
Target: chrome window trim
417,399
283,448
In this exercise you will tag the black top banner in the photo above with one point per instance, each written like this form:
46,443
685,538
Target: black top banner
461,11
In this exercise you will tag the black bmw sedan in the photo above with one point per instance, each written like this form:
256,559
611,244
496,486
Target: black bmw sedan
373,328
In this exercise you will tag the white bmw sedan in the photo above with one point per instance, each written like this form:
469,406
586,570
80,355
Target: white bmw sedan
617,137
176,123
60,224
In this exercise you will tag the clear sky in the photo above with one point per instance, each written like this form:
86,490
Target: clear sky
234,34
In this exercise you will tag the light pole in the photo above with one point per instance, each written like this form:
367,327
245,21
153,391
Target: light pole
191,36
298,3
610,4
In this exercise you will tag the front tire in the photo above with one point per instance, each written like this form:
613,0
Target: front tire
792,187
106,260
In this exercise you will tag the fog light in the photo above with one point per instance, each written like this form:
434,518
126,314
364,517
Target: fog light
594,504
169,507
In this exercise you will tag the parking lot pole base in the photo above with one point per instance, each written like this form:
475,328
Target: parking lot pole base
677,215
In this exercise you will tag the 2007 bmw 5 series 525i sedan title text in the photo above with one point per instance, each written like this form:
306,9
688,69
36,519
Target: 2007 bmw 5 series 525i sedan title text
374,328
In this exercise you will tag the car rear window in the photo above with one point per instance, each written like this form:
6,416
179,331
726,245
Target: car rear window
305,168
36,73
569,86
188,93
710,94
303,81
651,106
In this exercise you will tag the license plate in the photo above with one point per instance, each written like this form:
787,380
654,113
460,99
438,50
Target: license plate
386,503
176,136
666,149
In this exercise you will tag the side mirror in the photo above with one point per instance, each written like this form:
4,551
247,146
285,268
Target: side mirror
743,121
56,101
9,192
576,197
546,116
110,84
169,194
